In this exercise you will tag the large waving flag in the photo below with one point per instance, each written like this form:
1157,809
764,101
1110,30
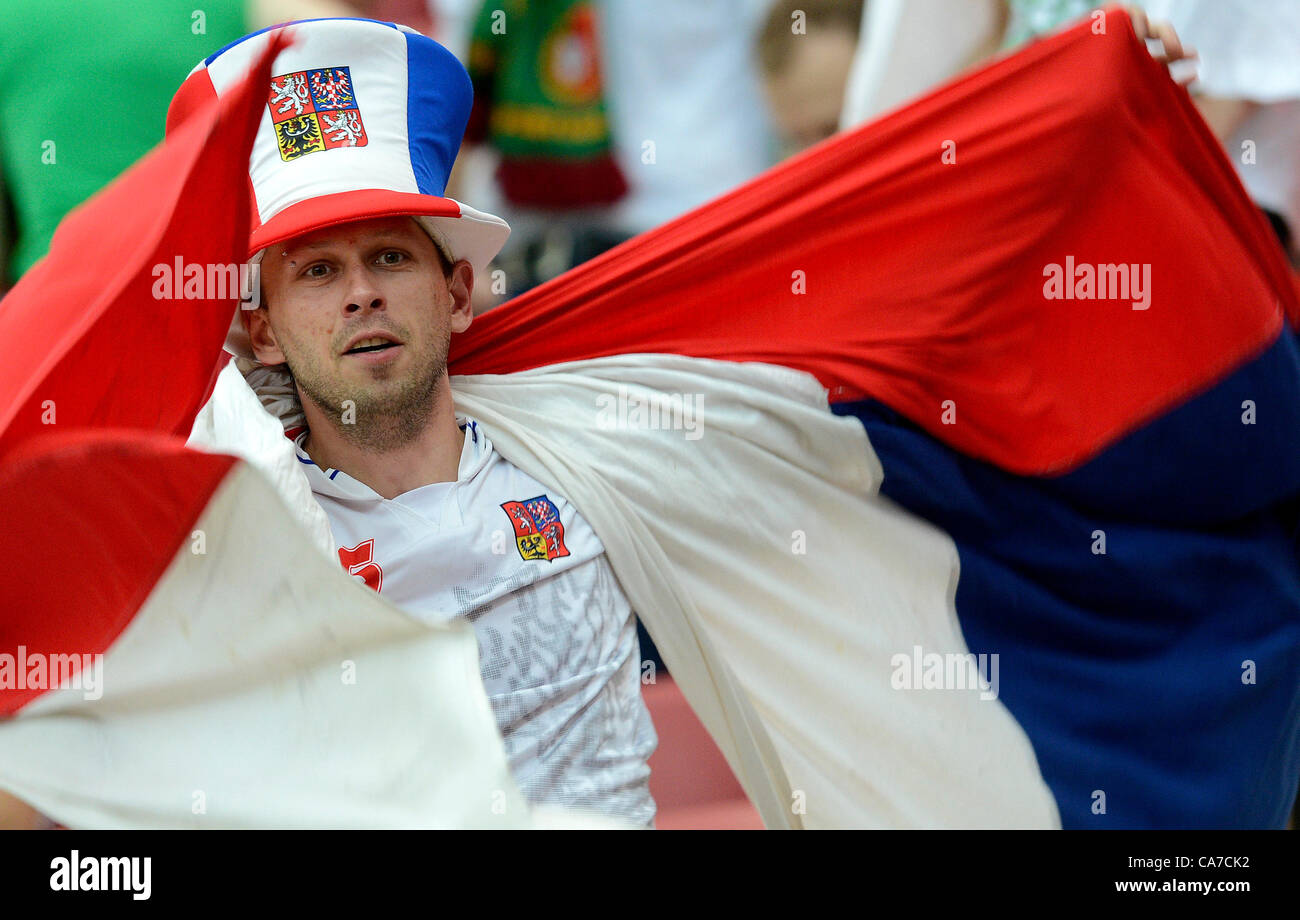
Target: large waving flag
1119,474
1118,470
1099,490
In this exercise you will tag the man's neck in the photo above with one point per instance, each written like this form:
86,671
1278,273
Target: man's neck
432,455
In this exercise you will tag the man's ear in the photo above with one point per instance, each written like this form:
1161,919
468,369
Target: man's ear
258,325
461,287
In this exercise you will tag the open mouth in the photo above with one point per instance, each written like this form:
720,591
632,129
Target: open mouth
366,346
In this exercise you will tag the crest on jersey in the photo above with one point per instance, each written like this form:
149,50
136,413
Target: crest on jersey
538,531
315,110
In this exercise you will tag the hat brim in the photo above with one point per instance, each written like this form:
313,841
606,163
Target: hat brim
461,231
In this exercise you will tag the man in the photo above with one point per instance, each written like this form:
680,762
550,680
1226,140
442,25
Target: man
429,515
805,51
358,304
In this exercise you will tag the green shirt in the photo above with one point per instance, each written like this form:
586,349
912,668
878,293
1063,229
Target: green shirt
84,90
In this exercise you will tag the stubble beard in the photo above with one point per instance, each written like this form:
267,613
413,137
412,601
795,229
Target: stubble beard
384,417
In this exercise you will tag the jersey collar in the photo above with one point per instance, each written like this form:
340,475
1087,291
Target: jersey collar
338,484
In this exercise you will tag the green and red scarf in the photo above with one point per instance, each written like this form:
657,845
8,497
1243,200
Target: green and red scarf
539,100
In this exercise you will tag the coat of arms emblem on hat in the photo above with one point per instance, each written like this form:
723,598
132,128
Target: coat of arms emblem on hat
315,110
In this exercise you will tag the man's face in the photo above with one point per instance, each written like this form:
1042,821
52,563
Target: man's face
362,312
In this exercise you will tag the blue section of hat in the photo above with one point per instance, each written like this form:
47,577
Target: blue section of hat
439,96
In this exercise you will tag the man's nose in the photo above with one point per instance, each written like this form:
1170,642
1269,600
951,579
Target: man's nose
363,293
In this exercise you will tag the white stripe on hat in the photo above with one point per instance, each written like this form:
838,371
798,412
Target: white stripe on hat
378,67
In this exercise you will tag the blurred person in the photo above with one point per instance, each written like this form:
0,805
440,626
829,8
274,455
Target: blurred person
1027,19
805,50
638,112
909,46
84,88
686,103
539,103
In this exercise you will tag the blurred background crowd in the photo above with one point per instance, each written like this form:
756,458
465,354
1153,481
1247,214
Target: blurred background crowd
596,120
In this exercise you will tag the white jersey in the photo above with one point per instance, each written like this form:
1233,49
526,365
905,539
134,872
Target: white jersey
558,649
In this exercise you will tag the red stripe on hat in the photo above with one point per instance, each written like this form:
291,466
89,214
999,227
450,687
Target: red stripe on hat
346,207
